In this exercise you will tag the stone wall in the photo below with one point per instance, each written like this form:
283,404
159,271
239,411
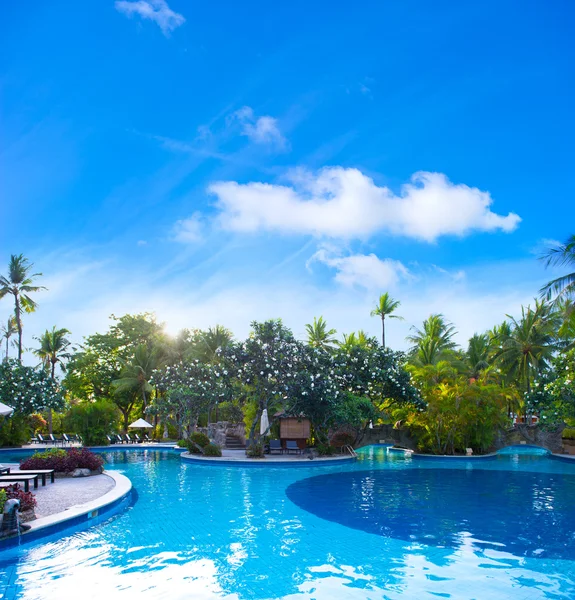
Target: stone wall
531,434
388,435
217,432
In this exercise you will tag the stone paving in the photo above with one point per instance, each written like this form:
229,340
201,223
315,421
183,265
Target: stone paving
64,493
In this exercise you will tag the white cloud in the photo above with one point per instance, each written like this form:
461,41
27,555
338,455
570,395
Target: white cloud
154,10
189,230
363,270
260,130
344,203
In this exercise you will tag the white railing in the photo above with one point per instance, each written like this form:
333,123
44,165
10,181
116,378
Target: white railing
350,451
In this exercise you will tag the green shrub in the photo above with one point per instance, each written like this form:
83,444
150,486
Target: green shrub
569,433
2,500
325,450
93,421
255,451
182,443
212,450
14,430
197,442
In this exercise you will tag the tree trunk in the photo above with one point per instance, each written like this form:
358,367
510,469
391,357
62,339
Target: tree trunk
18,325
383,330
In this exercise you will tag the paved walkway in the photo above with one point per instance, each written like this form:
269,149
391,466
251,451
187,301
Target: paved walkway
64,493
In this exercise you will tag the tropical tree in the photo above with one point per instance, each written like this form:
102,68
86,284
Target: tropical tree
478,354
386,306
530,345
8,329
561,255
136,374
53,350
20,283
433,342
206,346
319,336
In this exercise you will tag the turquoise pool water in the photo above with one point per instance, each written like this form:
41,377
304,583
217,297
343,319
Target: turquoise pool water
385,527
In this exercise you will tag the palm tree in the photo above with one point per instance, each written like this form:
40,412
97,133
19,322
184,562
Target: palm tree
478,354
53,346
433,341
135,375
8,330
319,336
562,255
530,345
207,344
19,283
385,307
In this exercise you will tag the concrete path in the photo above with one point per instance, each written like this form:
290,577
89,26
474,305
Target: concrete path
64,493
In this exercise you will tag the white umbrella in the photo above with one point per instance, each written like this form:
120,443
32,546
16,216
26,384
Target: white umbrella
265,422
5,411
139,423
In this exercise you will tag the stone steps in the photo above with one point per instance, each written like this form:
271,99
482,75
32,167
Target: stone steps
234,443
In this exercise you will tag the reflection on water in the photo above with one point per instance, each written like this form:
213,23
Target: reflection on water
202,532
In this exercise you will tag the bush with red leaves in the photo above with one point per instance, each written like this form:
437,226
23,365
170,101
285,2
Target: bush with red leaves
64,461
27,500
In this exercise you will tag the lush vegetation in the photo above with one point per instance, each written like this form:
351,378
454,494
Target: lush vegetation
447,397
63,461
27,499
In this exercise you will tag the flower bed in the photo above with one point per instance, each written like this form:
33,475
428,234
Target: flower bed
64,461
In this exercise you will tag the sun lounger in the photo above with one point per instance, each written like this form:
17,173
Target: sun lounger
110,439
25,479
41,439
66,439
41,472
137,437
292,446
146,438
276,446
129,440
4,470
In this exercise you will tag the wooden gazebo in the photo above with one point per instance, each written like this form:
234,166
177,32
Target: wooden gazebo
293,428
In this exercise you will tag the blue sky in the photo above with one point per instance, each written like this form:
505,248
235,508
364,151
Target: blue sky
224,162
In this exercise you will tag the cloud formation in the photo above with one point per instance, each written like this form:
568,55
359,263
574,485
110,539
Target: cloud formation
260,130
154,10
188,230
344,203
362,270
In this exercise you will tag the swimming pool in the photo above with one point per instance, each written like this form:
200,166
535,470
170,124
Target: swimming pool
386,527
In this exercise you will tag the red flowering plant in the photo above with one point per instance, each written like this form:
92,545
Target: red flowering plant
64,461
27,499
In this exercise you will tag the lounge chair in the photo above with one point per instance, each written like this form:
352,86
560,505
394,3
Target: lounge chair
276,446
25,479
292,446
138,440
129,440
146,438
119,439
41,439
4,470
111,440
41,472
55,440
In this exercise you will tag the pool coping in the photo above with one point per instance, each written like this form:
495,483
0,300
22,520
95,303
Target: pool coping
489,456
74,515
266,462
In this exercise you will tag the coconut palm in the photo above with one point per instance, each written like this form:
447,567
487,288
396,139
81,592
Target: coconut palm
531,344
52,350
319,336
7,330
385,307
561,255
206,345
478,354
19,282
136,373
433,341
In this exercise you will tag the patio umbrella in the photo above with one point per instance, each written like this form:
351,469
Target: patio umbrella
5,411
139,423
265,422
